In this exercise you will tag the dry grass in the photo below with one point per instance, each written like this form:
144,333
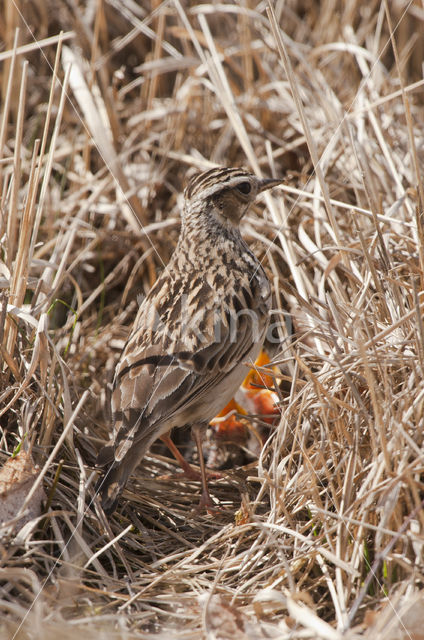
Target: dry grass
323,533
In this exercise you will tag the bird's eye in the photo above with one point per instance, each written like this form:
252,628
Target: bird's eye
244,187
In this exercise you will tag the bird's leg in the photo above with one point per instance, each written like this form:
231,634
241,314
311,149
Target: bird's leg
205,500
189,472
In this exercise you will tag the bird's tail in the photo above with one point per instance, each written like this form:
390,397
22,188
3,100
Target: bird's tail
116,472
113,480
110,486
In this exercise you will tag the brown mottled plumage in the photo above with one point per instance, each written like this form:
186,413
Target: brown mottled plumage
204,317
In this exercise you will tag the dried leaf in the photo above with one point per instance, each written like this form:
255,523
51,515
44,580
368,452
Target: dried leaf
16,478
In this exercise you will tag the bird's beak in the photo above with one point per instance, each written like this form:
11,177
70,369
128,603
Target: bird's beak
269,183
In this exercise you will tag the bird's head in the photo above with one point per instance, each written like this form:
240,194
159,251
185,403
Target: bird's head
225,194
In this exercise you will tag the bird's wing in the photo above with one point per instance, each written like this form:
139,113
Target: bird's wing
155,380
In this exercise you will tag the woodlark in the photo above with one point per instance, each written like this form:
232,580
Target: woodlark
206,315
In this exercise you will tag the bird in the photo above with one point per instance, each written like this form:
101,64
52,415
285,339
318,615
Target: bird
204,318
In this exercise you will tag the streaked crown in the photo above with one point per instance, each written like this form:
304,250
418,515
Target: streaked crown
228,190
